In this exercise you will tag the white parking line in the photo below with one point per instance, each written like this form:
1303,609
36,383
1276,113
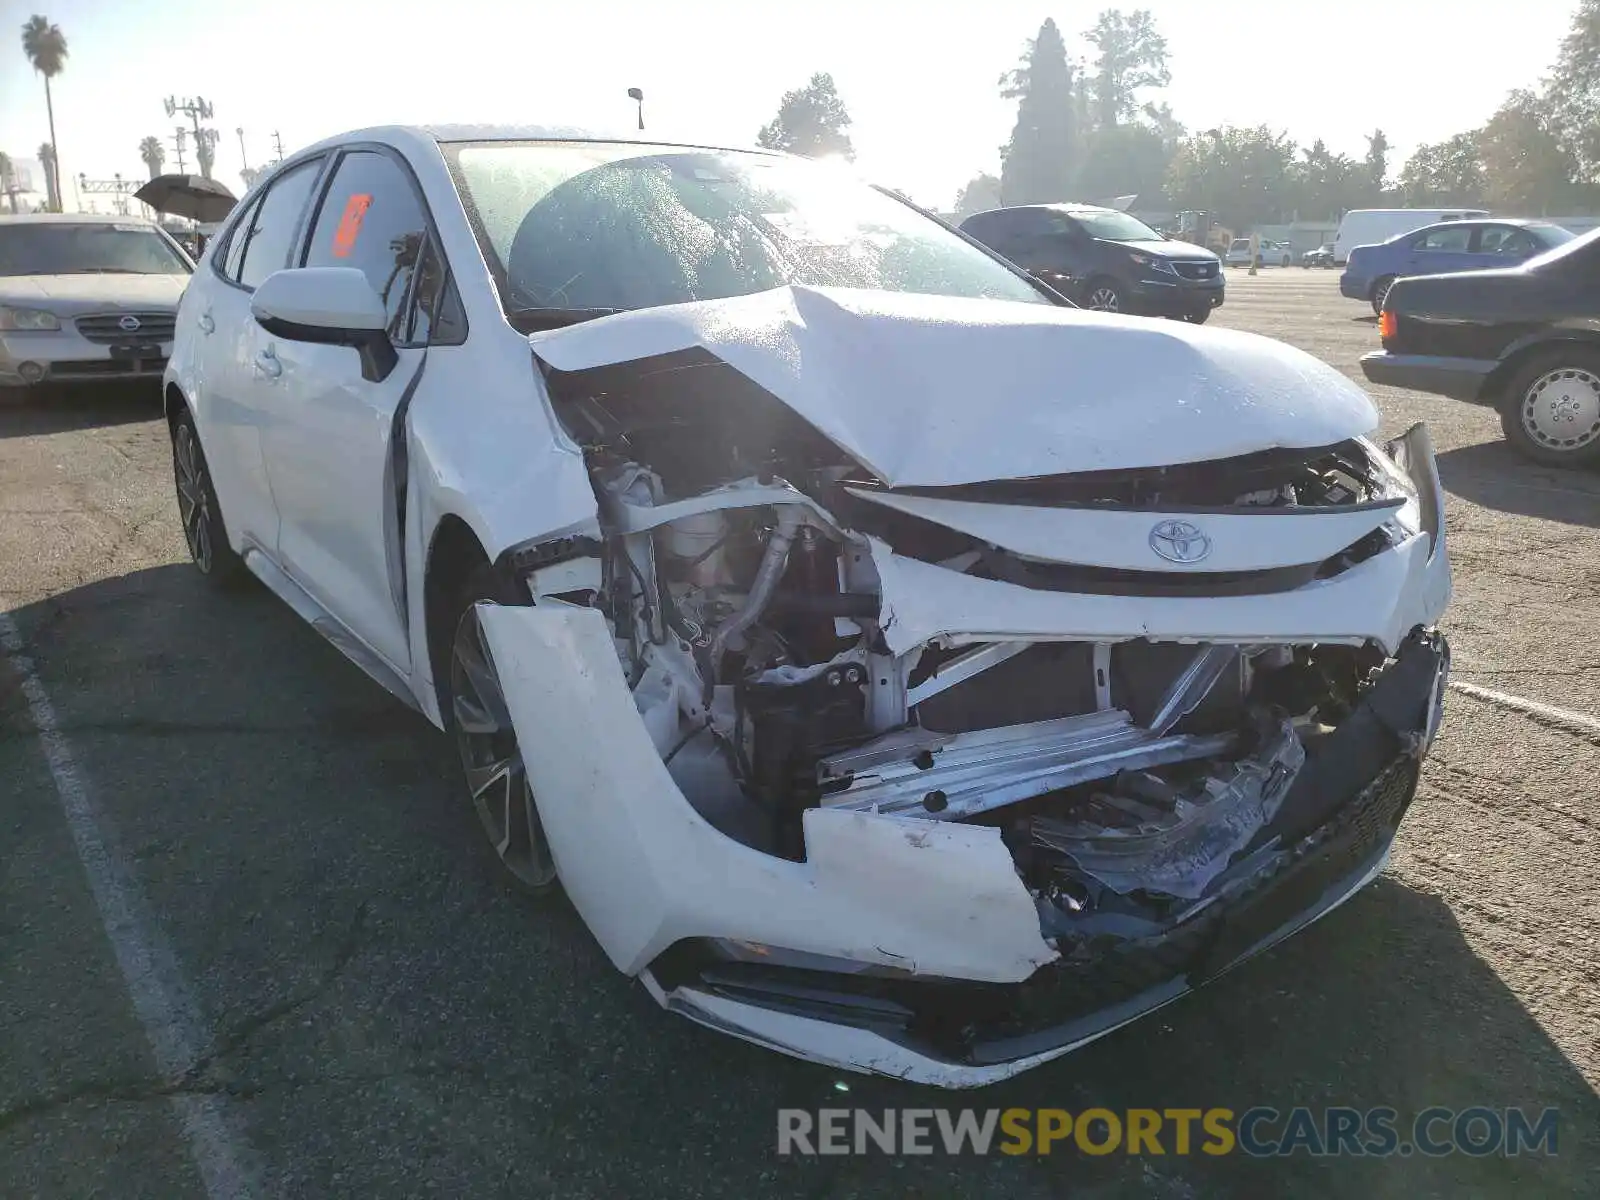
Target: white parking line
160,995
1561,716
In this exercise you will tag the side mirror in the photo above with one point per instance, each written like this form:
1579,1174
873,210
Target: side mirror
327,306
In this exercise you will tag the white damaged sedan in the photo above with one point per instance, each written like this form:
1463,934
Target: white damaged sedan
895,666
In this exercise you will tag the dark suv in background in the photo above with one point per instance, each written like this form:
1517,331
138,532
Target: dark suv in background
1104,259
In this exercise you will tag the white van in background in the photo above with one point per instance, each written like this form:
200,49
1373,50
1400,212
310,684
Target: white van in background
1368,226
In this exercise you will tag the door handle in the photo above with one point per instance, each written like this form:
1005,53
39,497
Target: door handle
207,325
267,363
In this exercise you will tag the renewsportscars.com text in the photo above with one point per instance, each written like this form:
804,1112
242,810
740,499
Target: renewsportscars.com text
1258,1132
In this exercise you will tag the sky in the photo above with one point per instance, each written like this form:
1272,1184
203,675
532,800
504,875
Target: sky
919,80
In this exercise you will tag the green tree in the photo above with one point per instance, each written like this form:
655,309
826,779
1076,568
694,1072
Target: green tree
1124,159
1241,176
1526,166
153,154
811,121
1159,117
46,48
1038,165
1377,162
1131,56
981,193
1574,91
1447,172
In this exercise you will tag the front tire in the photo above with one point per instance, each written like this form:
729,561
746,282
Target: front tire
1380,293
198,510
491,759
1551,409
1103,295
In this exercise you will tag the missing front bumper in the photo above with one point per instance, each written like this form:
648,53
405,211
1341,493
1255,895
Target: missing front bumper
1330,837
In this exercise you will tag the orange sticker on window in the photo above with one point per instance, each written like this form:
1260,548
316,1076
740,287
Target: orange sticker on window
355,211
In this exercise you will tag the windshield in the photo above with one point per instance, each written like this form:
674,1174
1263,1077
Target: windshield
1579,247
1116,227
583,226
88,249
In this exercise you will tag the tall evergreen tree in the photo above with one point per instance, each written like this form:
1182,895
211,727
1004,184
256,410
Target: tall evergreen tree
1039,163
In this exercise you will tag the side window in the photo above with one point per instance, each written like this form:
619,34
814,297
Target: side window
272,227
372,219
436,318
1451,239
233,252
1505,239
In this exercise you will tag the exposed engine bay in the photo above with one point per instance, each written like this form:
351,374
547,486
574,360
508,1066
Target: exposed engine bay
737,573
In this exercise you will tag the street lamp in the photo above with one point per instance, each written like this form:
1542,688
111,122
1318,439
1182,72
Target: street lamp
637,95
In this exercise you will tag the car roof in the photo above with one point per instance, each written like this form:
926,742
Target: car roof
418,136
72,219
1067,208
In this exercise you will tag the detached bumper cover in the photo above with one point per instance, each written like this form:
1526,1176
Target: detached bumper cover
1330,838
1457,378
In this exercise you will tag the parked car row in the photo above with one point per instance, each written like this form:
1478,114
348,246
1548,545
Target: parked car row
1444,248
1523,338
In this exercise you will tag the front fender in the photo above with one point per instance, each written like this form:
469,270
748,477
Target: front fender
645,870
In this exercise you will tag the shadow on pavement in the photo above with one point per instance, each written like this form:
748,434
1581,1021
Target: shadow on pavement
1494,475
391,1020
29,413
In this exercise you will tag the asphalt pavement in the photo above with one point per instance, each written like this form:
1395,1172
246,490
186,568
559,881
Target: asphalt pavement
250,944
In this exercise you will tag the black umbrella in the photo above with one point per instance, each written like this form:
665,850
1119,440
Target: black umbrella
193,196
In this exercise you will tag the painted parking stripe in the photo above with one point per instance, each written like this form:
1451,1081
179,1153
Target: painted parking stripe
155,983
1532,708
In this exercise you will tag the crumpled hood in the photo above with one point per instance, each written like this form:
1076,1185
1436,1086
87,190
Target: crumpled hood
93,292
936,391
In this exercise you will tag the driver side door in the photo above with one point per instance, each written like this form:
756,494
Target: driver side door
328,430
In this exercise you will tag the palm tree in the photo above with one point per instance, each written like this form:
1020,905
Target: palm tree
154,155
46,48
8,181
47,160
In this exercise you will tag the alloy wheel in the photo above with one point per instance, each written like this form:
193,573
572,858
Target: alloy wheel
1380,294
194,496
1561,409
1105,299
497,778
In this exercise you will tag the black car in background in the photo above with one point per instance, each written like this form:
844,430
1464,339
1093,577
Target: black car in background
1524,339
1104,259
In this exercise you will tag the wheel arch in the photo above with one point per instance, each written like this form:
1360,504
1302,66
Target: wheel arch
1520,352
454,553
173,401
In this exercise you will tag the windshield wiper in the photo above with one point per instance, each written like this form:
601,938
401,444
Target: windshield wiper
532,320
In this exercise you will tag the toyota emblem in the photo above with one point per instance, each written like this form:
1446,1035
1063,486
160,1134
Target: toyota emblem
1179,542
128,324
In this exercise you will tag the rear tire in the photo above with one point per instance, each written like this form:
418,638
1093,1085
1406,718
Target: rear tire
1380,293
1551,409
199,511
1198,317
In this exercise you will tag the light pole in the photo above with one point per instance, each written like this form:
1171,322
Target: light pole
243,157
637,96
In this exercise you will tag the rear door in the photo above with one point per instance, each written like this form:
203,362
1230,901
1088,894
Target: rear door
1440,250
258,244
1503,245
327,439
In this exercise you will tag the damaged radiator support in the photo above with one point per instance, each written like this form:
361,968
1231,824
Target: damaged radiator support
961,775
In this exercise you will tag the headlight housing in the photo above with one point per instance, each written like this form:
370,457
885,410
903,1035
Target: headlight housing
1151,263
28,320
